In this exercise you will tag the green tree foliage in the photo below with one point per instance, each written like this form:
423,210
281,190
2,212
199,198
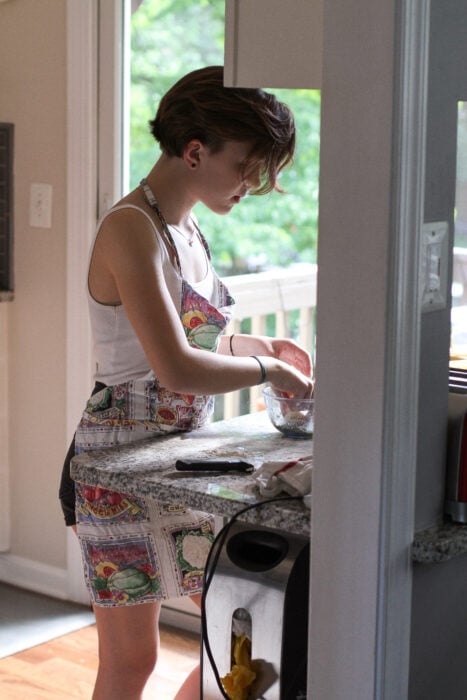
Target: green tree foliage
172,37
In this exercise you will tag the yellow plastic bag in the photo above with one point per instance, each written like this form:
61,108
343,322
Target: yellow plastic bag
238,682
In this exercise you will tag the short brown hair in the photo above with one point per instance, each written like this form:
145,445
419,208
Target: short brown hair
199,106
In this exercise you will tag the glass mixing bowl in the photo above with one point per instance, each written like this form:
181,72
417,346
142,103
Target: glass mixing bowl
292,417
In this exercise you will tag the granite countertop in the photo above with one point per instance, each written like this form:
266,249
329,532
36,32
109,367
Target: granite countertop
148,469
439,543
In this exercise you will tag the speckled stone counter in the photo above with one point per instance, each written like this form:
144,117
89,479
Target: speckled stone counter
148,469
439,543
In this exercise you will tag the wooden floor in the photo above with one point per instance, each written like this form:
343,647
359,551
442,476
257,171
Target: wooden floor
66,667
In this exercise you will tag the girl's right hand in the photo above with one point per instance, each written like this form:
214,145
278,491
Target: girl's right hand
288,380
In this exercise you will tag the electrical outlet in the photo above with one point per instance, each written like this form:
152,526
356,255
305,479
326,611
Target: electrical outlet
40,207
434,266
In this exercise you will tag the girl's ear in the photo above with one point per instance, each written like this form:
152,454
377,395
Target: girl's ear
193,152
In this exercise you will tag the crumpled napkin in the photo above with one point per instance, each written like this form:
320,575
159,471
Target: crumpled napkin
293,477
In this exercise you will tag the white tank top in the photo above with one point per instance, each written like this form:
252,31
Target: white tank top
118,354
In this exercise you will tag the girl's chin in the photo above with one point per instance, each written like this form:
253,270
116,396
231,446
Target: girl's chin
223,208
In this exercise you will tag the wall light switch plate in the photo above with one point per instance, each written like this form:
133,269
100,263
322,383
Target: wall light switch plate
40,206
434,266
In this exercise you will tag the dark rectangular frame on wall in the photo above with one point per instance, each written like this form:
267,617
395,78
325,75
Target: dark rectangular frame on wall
6,210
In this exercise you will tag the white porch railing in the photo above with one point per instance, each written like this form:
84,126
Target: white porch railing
459,276
459,306
280,303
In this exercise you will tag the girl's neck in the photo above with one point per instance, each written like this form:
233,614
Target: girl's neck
170,187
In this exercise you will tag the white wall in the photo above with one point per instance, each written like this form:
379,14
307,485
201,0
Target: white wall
33,97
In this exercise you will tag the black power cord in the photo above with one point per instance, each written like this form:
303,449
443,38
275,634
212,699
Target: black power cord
209,570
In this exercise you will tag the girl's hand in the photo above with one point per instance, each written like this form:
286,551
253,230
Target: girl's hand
288,351
287,380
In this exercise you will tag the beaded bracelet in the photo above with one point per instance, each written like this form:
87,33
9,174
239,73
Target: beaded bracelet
263,369
230,344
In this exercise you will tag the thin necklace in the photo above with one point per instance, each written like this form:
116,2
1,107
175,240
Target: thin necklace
149,195
190,239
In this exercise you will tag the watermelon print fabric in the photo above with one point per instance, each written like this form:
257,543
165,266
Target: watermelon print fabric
161,556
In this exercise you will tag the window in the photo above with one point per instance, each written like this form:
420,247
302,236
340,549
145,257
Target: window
168,39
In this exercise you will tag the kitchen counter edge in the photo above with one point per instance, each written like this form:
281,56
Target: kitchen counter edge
439,543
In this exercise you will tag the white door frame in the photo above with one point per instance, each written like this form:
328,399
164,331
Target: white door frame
94,182
112,84
403,356
81,222
371,211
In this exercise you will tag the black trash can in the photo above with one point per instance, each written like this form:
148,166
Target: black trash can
260,587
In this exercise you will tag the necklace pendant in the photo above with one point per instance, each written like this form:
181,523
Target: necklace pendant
189,240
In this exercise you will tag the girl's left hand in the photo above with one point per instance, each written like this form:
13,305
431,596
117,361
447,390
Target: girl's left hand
288,351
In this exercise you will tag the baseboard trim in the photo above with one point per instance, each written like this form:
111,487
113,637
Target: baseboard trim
33,576
52,581
181,620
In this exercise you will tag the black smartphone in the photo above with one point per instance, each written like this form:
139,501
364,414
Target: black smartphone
213,465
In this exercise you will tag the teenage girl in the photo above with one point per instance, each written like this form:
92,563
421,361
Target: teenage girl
158,312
